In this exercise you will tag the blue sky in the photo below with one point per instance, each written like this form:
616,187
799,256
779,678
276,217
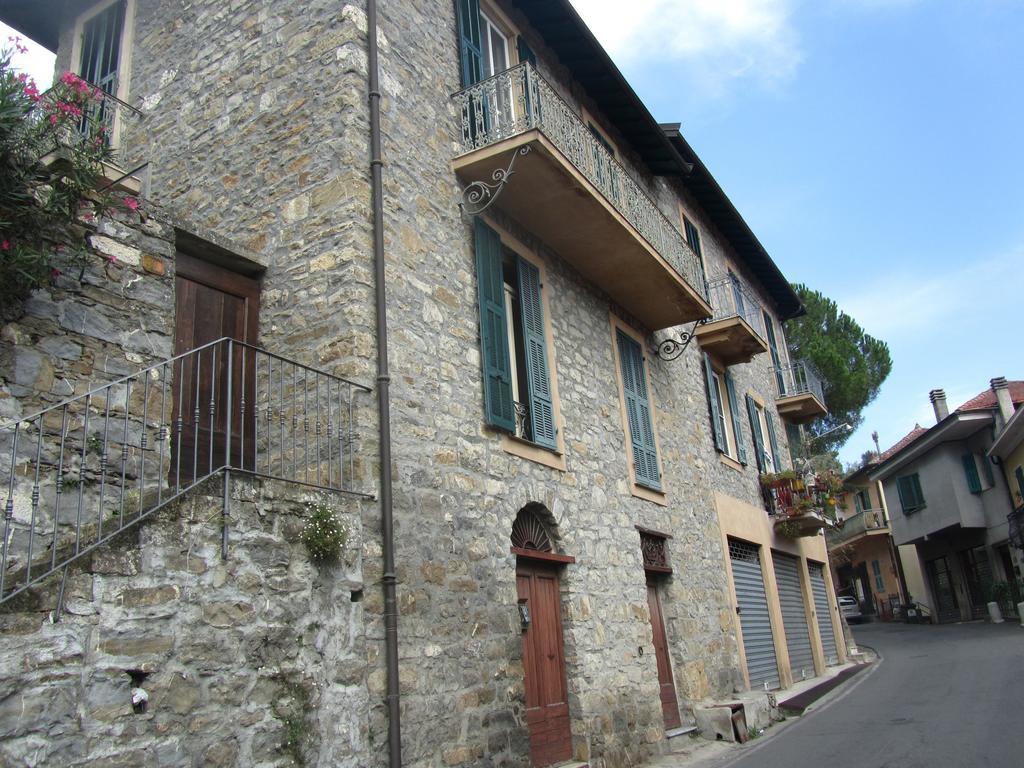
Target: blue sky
875,148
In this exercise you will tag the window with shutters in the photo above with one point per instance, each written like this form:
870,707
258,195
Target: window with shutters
726,429
635,400
908,487
102,52
762,429
520,397
971,473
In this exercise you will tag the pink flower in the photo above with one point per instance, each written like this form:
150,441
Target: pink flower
53,119
55,273
112,259
131,203
5,245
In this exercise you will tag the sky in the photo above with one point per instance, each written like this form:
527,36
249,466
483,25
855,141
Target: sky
874,147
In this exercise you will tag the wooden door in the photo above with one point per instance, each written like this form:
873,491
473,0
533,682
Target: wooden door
211,302
547,707
669,705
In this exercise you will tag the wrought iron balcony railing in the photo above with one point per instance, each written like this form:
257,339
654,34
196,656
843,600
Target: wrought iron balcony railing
729,298
856,525
79,473
519,100
799,378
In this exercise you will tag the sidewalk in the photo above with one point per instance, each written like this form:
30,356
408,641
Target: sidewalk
767,714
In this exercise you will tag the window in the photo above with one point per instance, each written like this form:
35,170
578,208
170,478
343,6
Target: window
876,569
638,411
766,451
517,385
773,348
971,471
103,57
693,237
737,295
909,489
861,500
725,415
495,47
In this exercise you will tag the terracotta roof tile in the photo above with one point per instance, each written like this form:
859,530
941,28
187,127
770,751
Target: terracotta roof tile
987,399
915,433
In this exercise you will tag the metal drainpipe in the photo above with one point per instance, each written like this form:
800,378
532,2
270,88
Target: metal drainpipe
383,397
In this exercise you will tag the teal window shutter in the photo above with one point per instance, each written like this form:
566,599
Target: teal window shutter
971,470
755,433
470,48
541,411
737,422
526,53
714,403
776,459
909,489
1018,475
638,412
857,503
773,348
497,367
986,463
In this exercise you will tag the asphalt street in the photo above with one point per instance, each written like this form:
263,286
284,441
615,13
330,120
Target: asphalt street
950,696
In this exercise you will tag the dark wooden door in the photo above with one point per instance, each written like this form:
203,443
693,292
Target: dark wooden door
669,705
947,608
547,707
211,302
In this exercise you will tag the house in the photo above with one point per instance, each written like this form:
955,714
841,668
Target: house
866,563
544,440
950,503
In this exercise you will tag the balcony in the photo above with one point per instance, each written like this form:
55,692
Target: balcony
524,149
800,505
868,522
801,398
735,332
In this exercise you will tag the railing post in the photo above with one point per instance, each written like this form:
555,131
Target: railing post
225,506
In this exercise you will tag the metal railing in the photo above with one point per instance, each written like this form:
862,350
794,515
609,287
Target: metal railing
518,100
80,472
799,378
857,525
730,298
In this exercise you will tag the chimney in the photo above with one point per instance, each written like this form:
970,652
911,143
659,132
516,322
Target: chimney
1002,390
938,398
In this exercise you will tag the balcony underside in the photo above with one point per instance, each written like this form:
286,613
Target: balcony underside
836,538
801,408
807,524
731,340
552,199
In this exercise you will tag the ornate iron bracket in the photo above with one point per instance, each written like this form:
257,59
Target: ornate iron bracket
478,195
670,348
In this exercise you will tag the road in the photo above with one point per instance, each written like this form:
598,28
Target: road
949,696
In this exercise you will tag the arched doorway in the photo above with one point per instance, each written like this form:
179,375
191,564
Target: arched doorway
540,611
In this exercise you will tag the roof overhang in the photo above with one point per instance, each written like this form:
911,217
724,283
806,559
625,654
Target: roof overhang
1010,437
956,426
41,20
727,220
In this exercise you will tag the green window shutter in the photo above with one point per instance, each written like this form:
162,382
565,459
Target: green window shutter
541,411
776,458
1018,474
755,433
857,503
638,412
714,397
911,497
795,438
497,368
773,348
971,470
470,49
901,490
986,463
737,422
526,53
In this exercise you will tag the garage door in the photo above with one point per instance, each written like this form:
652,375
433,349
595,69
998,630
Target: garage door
794,617
755,623
824,611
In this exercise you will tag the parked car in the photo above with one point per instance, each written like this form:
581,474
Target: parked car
851,610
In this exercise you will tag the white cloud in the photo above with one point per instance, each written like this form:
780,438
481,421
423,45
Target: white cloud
907,303
719,41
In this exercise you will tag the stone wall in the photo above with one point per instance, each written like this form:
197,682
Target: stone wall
257,660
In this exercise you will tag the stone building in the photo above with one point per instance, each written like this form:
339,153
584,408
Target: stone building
588,374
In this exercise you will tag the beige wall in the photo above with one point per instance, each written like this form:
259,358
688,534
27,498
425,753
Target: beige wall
740,520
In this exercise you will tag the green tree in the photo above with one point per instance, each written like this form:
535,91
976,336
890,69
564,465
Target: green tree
852,364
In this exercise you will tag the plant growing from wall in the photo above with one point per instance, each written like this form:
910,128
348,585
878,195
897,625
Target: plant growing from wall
52,149
324,534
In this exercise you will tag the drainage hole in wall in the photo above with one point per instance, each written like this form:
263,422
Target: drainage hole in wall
139,697
357,595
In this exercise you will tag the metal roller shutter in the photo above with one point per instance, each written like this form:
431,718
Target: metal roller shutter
794,615
758,643
824,611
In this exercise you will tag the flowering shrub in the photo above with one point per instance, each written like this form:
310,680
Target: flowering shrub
323,534
52,146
